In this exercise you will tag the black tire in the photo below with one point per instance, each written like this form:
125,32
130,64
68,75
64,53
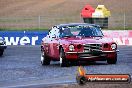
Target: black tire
112,60
45,60
1,52
64,62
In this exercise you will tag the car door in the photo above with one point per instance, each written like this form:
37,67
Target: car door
56,43
50,43
53,44
46,43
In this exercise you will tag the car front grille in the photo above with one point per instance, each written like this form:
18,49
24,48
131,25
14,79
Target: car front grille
91,51
92,47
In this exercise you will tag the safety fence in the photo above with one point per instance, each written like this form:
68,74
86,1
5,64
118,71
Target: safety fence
117,21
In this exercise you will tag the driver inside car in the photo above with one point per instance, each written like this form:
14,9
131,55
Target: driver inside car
65,32
85,32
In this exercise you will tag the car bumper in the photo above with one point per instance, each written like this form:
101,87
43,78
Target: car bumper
95,51
93,56
3,46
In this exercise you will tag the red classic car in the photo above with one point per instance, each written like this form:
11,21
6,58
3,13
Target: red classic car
77,42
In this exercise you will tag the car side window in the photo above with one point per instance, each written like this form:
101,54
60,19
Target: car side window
54,33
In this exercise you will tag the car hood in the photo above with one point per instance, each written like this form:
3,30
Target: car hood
87,40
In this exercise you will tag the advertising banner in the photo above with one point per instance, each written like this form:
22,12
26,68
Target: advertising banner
23,37
121,37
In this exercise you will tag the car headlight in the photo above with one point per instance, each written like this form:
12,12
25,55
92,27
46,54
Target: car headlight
113,46
71,47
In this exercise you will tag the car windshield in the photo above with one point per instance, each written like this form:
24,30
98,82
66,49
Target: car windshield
85,31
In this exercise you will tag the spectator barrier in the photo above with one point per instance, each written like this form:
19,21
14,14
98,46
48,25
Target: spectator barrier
121,37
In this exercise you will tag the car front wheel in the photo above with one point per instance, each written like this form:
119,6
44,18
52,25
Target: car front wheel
112,60
1,52
63,61
44,59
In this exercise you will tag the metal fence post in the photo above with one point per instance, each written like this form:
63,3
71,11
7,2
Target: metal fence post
124,21
39,21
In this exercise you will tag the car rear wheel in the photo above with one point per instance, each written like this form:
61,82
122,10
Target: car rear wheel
44,59
112,60
63,61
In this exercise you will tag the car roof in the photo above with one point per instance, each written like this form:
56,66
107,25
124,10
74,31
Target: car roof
76,24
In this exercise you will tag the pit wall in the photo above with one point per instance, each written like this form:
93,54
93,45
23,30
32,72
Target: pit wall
121,37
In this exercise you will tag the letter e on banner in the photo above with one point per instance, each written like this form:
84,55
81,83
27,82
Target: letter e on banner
34,39
24,41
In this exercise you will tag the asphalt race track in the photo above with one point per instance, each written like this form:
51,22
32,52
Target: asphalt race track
20,66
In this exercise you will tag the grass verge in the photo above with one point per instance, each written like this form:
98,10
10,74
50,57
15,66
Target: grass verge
24,29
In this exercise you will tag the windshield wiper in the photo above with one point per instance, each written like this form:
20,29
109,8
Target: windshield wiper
92,36
99,36
67,36
87,36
